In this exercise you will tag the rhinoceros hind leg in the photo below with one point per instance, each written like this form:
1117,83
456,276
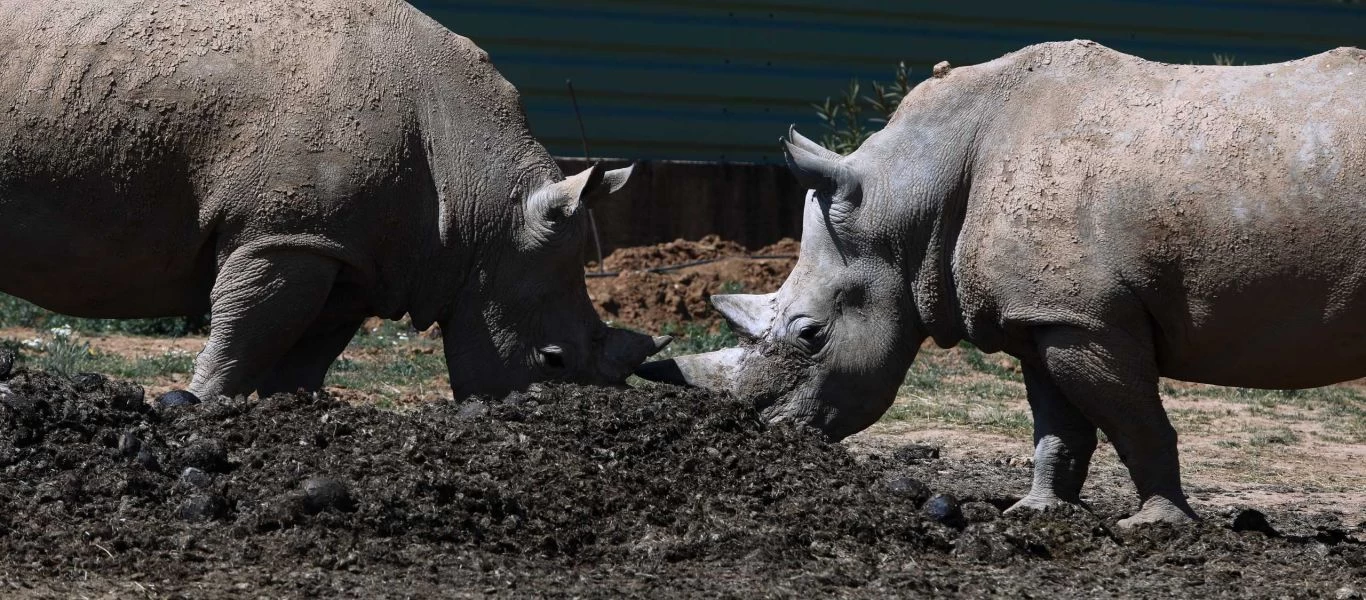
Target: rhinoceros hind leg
305,365
1112,377
1064,440
262,303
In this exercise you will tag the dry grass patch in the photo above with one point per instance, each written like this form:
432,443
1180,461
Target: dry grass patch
1294,447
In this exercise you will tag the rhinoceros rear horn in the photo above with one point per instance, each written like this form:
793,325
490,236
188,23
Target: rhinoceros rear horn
749,315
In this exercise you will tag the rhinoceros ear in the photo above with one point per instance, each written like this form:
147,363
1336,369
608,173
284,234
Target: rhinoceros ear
616,178
556,202
749,315
805,143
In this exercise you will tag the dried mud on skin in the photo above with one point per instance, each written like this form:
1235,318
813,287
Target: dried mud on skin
568,491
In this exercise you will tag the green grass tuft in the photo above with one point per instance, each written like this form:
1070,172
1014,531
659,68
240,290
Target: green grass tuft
991,366
386,375
1280,436
63,355
142,368
731,287
693,338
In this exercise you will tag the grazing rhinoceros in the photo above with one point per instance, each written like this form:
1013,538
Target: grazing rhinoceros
1105,219
292,167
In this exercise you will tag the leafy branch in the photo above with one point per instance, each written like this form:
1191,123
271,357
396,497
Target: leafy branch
844,117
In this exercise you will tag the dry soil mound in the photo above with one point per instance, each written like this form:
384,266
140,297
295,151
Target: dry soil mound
653,301
677,252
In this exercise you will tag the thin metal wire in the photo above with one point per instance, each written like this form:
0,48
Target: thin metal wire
583,135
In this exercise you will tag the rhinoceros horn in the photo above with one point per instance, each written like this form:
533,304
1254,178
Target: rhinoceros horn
749,315
801,141
711,370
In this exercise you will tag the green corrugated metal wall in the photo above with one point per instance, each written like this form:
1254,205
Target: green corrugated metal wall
721,80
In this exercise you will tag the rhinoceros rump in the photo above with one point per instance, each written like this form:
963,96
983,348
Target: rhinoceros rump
1105,219
292,168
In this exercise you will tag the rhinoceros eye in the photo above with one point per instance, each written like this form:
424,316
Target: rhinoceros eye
552,356
810,336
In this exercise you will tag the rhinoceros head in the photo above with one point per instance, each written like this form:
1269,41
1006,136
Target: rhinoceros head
830,348
530,318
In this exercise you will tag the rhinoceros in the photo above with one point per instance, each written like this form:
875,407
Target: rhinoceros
292,168
1105,219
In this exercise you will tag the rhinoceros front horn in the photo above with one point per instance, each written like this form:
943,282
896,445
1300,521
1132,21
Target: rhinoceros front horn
749,315
711,370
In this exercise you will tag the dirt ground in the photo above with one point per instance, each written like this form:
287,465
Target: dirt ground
654,301
570,491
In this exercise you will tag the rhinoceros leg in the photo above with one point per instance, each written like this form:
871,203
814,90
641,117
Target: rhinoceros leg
1112,377
1064,440
262,303
305,365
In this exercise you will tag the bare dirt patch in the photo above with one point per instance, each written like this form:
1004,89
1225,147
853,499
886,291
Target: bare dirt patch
655,301
568,491
677,252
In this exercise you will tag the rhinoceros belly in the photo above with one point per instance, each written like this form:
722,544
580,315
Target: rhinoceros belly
1278,333
74,249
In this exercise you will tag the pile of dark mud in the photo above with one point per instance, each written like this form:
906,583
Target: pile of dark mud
564,491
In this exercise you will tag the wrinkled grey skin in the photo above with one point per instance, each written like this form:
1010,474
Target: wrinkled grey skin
1105,219
294,167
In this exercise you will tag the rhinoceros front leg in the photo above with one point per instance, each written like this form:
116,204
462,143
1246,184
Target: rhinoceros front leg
305,365
262,303
1064,440
1112,377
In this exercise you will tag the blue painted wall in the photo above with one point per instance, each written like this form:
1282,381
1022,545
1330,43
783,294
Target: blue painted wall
720,80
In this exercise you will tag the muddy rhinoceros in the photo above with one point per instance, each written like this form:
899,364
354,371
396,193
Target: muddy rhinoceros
1105,219
292,167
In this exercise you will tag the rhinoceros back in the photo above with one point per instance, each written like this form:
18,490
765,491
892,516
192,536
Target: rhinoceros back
1229,202
141,138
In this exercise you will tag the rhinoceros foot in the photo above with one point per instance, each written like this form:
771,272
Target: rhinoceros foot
175,398
1157,509
1043,504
